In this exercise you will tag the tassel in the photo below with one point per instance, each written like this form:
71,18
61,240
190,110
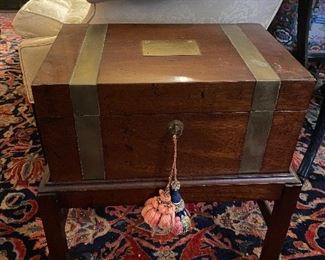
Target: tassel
166,213
159,212
183,218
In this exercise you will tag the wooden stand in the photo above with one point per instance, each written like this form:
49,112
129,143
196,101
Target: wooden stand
282,188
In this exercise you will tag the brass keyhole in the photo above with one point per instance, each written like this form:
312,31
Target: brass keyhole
176,127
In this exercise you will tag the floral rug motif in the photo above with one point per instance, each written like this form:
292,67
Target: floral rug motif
284,26
232,230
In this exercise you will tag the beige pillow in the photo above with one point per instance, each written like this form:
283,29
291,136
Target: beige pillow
44,18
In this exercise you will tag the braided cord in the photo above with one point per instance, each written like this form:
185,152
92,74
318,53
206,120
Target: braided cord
173,172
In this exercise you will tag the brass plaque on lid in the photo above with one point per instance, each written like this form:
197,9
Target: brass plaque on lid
177,47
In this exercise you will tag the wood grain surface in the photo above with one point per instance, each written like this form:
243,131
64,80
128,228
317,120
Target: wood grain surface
141,146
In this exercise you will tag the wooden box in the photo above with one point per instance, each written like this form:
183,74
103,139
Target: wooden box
106,93
105,97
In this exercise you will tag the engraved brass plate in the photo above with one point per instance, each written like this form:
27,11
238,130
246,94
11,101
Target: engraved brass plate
177,47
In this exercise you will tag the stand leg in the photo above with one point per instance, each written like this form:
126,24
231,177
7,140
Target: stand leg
53,218
279,222
315,141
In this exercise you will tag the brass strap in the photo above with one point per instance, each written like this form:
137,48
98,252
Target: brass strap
83,93
264,99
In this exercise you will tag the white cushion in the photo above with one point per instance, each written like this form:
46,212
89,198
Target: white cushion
39,18
32,53
185,11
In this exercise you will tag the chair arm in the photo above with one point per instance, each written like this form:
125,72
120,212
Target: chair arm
44,18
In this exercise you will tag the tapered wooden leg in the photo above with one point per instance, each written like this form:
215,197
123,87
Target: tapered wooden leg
53,218
279,222
316,139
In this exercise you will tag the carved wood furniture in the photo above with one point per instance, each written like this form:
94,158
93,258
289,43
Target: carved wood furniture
106,93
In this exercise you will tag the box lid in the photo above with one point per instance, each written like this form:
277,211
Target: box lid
215,78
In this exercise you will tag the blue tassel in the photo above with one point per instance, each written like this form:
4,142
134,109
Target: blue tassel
180,210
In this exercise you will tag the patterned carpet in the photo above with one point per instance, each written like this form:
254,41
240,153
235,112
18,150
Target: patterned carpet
231,230
284,25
